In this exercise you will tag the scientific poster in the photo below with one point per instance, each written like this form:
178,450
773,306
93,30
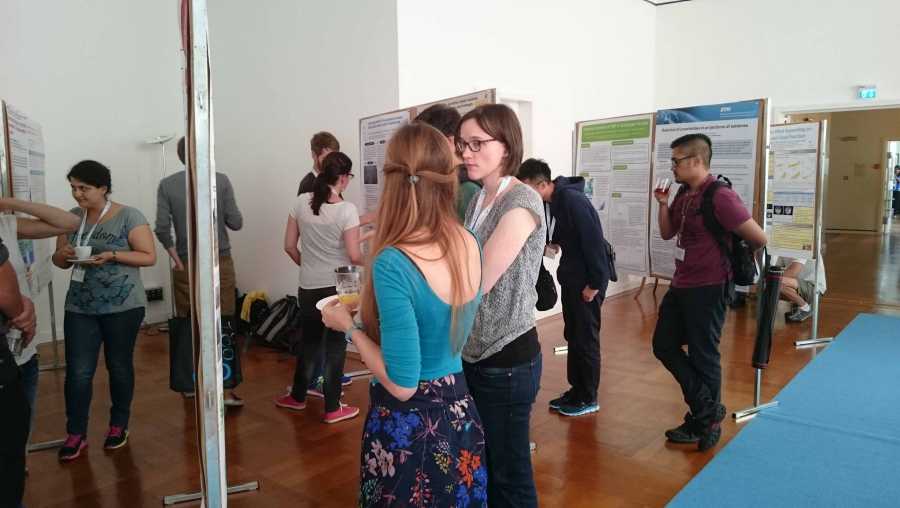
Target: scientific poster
613,156
376,131
26,177
733,129
793,174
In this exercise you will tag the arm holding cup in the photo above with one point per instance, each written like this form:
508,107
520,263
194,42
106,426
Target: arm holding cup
661,194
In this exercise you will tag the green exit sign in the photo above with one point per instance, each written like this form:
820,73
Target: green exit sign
867,92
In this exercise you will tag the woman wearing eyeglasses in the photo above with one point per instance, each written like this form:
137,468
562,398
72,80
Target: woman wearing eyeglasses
503,356
105,303
327,228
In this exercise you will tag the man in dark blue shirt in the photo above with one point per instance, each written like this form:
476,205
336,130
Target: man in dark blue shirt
583,275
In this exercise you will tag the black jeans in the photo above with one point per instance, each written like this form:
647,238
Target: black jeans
13,430
314,338
504,397
693,317
582,331
84,333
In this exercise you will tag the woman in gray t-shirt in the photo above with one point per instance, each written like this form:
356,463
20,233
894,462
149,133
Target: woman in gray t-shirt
502,359
105,303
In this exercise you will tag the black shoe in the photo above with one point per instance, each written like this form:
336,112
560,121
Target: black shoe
685,433
562,399
116,437
579,408
711,433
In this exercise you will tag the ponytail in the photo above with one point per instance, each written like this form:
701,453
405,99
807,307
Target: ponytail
335,165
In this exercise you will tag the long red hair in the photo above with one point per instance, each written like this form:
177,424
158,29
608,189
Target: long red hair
418,207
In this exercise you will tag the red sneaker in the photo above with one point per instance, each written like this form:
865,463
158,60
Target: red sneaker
288,402
341,414
72,448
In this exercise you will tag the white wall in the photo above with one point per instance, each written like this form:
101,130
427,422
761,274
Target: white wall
283,70
578,61
101,78
798,53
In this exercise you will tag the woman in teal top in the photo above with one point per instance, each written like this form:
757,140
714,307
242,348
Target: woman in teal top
423,441
105,303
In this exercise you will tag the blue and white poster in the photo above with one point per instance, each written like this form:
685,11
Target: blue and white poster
733,129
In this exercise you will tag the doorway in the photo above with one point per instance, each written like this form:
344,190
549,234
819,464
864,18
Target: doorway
861,243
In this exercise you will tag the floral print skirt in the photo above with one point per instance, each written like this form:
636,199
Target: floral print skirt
426,451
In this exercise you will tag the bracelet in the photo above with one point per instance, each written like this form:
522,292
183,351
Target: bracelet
348,335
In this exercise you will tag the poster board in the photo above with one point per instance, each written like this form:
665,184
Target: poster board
375,132
614,157
795,179
738,132
24,178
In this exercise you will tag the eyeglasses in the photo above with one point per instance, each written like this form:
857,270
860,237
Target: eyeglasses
351,175
676,162
474,145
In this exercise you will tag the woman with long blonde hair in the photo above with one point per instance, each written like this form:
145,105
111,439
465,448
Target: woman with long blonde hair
423,441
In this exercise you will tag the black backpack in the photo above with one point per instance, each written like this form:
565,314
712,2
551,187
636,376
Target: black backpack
279,328
740,254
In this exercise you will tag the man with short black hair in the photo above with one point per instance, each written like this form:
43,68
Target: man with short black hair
321,144
446,119
583,275
693,310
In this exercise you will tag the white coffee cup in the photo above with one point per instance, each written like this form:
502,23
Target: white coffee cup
83,252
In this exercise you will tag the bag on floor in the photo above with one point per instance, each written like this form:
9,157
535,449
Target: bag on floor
181,357
279,329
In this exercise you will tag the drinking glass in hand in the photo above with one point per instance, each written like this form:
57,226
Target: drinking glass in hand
347,282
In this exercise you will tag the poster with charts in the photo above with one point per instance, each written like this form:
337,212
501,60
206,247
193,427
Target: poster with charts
613,156
26,181
375,132
734,129
794,155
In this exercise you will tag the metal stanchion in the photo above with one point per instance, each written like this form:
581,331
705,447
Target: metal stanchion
767,306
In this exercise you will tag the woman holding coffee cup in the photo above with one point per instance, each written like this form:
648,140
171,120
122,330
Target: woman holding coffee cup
105,303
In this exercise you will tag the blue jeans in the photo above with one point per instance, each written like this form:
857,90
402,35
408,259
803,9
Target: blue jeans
30,372
84,334
504,397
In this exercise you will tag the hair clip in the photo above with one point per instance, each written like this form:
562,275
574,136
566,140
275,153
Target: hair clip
413,179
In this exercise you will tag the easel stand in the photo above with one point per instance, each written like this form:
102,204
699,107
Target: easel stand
643,283
56,365
197,496
814,341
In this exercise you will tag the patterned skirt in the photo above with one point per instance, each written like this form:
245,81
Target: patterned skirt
427,451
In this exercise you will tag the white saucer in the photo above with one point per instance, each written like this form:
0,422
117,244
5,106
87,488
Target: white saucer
325,301
75,261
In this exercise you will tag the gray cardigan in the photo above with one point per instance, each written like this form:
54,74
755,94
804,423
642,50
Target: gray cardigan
508,310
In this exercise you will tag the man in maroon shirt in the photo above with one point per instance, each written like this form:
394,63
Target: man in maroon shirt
693,310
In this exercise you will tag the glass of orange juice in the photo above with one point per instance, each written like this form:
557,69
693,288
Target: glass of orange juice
347,282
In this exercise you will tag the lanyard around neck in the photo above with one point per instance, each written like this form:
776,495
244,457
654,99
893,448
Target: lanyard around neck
480,215
551,222
80,241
